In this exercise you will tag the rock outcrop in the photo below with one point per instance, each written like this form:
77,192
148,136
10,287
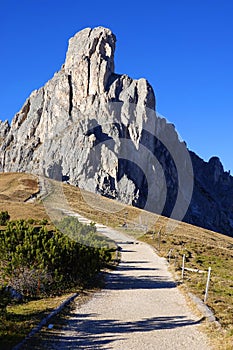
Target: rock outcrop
212,200
99,131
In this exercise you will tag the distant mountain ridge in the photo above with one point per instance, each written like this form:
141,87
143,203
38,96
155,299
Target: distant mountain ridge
99,131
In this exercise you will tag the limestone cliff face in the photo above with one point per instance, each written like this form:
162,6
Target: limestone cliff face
99,130
212,201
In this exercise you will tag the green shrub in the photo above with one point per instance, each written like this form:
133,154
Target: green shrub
4,218
5,298
35,260
44,222
31,221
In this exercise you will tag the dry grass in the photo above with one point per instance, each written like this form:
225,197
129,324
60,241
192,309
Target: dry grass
111,212
24,210
17,187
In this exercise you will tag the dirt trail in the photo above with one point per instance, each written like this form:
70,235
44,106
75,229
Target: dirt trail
140,308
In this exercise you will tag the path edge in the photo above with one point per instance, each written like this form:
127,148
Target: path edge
45,320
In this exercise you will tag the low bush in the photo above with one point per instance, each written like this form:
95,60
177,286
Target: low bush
5,298
37,261
4,218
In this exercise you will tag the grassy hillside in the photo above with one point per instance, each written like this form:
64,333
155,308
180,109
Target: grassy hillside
201,247
15,189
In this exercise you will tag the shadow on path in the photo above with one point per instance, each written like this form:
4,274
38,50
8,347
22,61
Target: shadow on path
91,333
124,267
120,282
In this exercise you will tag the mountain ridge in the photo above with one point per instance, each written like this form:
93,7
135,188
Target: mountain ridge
99,131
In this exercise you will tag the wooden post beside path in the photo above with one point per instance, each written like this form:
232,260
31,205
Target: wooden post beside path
207,285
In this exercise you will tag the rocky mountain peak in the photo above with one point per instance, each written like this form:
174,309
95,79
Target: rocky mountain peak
90,60
99,131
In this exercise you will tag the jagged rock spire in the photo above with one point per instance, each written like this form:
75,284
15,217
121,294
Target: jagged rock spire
90,60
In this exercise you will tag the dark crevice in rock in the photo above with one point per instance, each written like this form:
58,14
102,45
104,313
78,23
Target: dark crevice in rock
136,95
112,78
89,35
99,134
70,94
107,188
88,74
150,101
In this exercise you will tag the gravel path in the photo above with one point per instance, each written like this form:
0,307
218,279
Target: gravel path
140,308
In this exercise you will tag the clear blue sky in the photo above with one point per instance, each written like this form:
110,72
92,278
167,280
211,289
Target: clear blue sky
183,47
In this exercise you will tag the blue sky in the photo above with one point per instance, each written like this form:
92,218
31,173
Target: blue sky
183,47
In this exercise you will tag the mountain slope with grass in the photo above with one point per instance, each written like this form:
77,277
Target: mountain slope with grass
202,248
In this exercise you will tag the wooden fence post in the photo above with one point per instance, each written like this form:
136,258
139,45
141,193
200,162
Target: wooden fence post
207,285
169,255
